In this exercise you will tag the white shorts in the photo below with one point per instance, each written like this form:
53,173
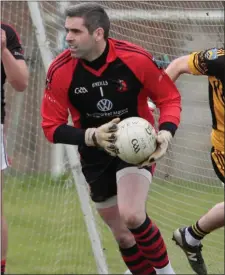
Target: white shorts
4,158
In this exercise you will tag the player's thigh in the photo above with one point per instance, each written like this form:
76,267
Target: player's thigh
132,188
218,161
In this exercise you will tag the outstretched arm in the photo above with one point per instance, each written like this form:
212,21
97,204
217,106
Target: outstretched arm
208,62
177,67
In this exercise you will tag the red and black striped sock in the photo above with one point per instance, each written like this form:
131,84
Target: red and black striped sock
136,262
151,243
3,263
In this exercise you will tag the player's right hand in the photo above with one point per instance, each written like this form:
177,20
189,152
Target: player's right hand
103,136
163,140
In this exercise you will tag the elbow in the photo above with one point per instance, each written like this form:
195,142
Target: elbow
21,82
178,104
178,67
48,135
174,70
48,132
24,84
20,85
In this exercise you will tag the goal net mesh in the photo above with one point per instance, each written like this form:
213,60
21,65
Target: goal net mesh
47,232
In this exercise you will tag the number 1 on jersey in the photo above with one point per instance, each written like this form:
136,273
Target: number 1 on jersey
101,91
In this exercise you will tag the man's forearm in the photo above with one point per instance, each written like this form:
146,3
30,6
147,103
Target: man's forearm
67,134
15,70
173,71
177,67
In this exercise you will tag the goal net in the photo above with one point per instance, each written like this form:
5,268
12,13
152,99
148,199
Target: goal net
52,226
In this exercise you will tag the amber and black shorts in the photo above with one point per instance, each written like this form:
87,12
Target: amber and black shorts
218,160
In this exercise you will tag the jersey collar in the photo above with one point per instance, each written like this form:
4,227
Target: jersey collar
109,59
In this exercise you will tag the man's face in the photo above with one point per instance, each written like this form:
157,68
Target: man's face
80,42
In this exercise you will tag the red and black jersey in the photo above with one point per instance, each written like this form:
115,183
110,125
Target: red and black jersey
119,88
14,46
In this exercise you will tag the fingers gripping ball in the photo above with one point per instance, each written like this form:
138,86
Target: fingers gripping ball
136,140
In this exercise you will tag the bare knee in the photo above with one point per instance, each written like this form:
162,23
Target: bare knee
124,238
121,233
132,218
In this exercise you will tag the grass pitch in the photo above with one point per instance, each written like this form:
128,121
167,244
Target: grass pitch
48,235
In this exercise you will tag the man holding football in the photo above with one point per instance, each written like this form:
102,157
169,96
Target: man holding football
101,81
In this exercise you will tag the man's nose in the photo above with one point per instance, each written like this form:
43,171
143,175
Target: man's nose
69,37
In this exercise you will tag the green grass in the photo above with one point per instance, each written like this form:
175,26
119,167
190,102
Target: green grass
47,233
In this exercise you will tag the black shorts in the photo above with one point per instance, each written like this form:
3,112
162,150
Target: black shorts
100,172
218,160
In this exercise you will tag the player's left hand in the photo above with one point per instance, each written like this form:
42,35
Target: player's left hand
163,139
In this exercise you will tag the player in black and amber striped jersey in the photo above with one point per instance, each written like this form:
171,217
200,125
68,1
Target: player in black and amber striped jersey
211,63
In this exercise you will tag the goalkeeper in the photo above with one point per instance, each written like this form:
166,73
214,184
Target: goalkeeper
14,69
211,63
100,81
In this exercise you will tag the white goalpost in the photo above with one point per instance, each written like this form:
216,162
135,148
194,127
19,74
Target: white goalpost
71,151
53,226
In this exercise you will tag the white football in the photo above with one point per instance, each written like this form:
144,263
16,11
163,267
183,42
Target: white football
136,140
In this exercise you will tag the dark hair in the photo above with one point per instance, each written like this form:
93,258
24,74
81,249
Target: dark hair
93,14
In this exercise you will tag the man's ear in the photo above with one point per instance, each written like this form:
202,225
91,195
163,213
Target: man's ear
99,34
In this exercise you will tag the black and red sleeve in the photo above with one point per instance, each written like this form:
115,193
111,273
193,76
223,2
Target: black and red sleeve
163,92
156,85
13,41
55,110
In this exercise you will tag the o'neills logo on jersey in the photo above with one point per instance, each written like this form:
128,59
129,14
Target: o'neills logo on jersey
100,83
